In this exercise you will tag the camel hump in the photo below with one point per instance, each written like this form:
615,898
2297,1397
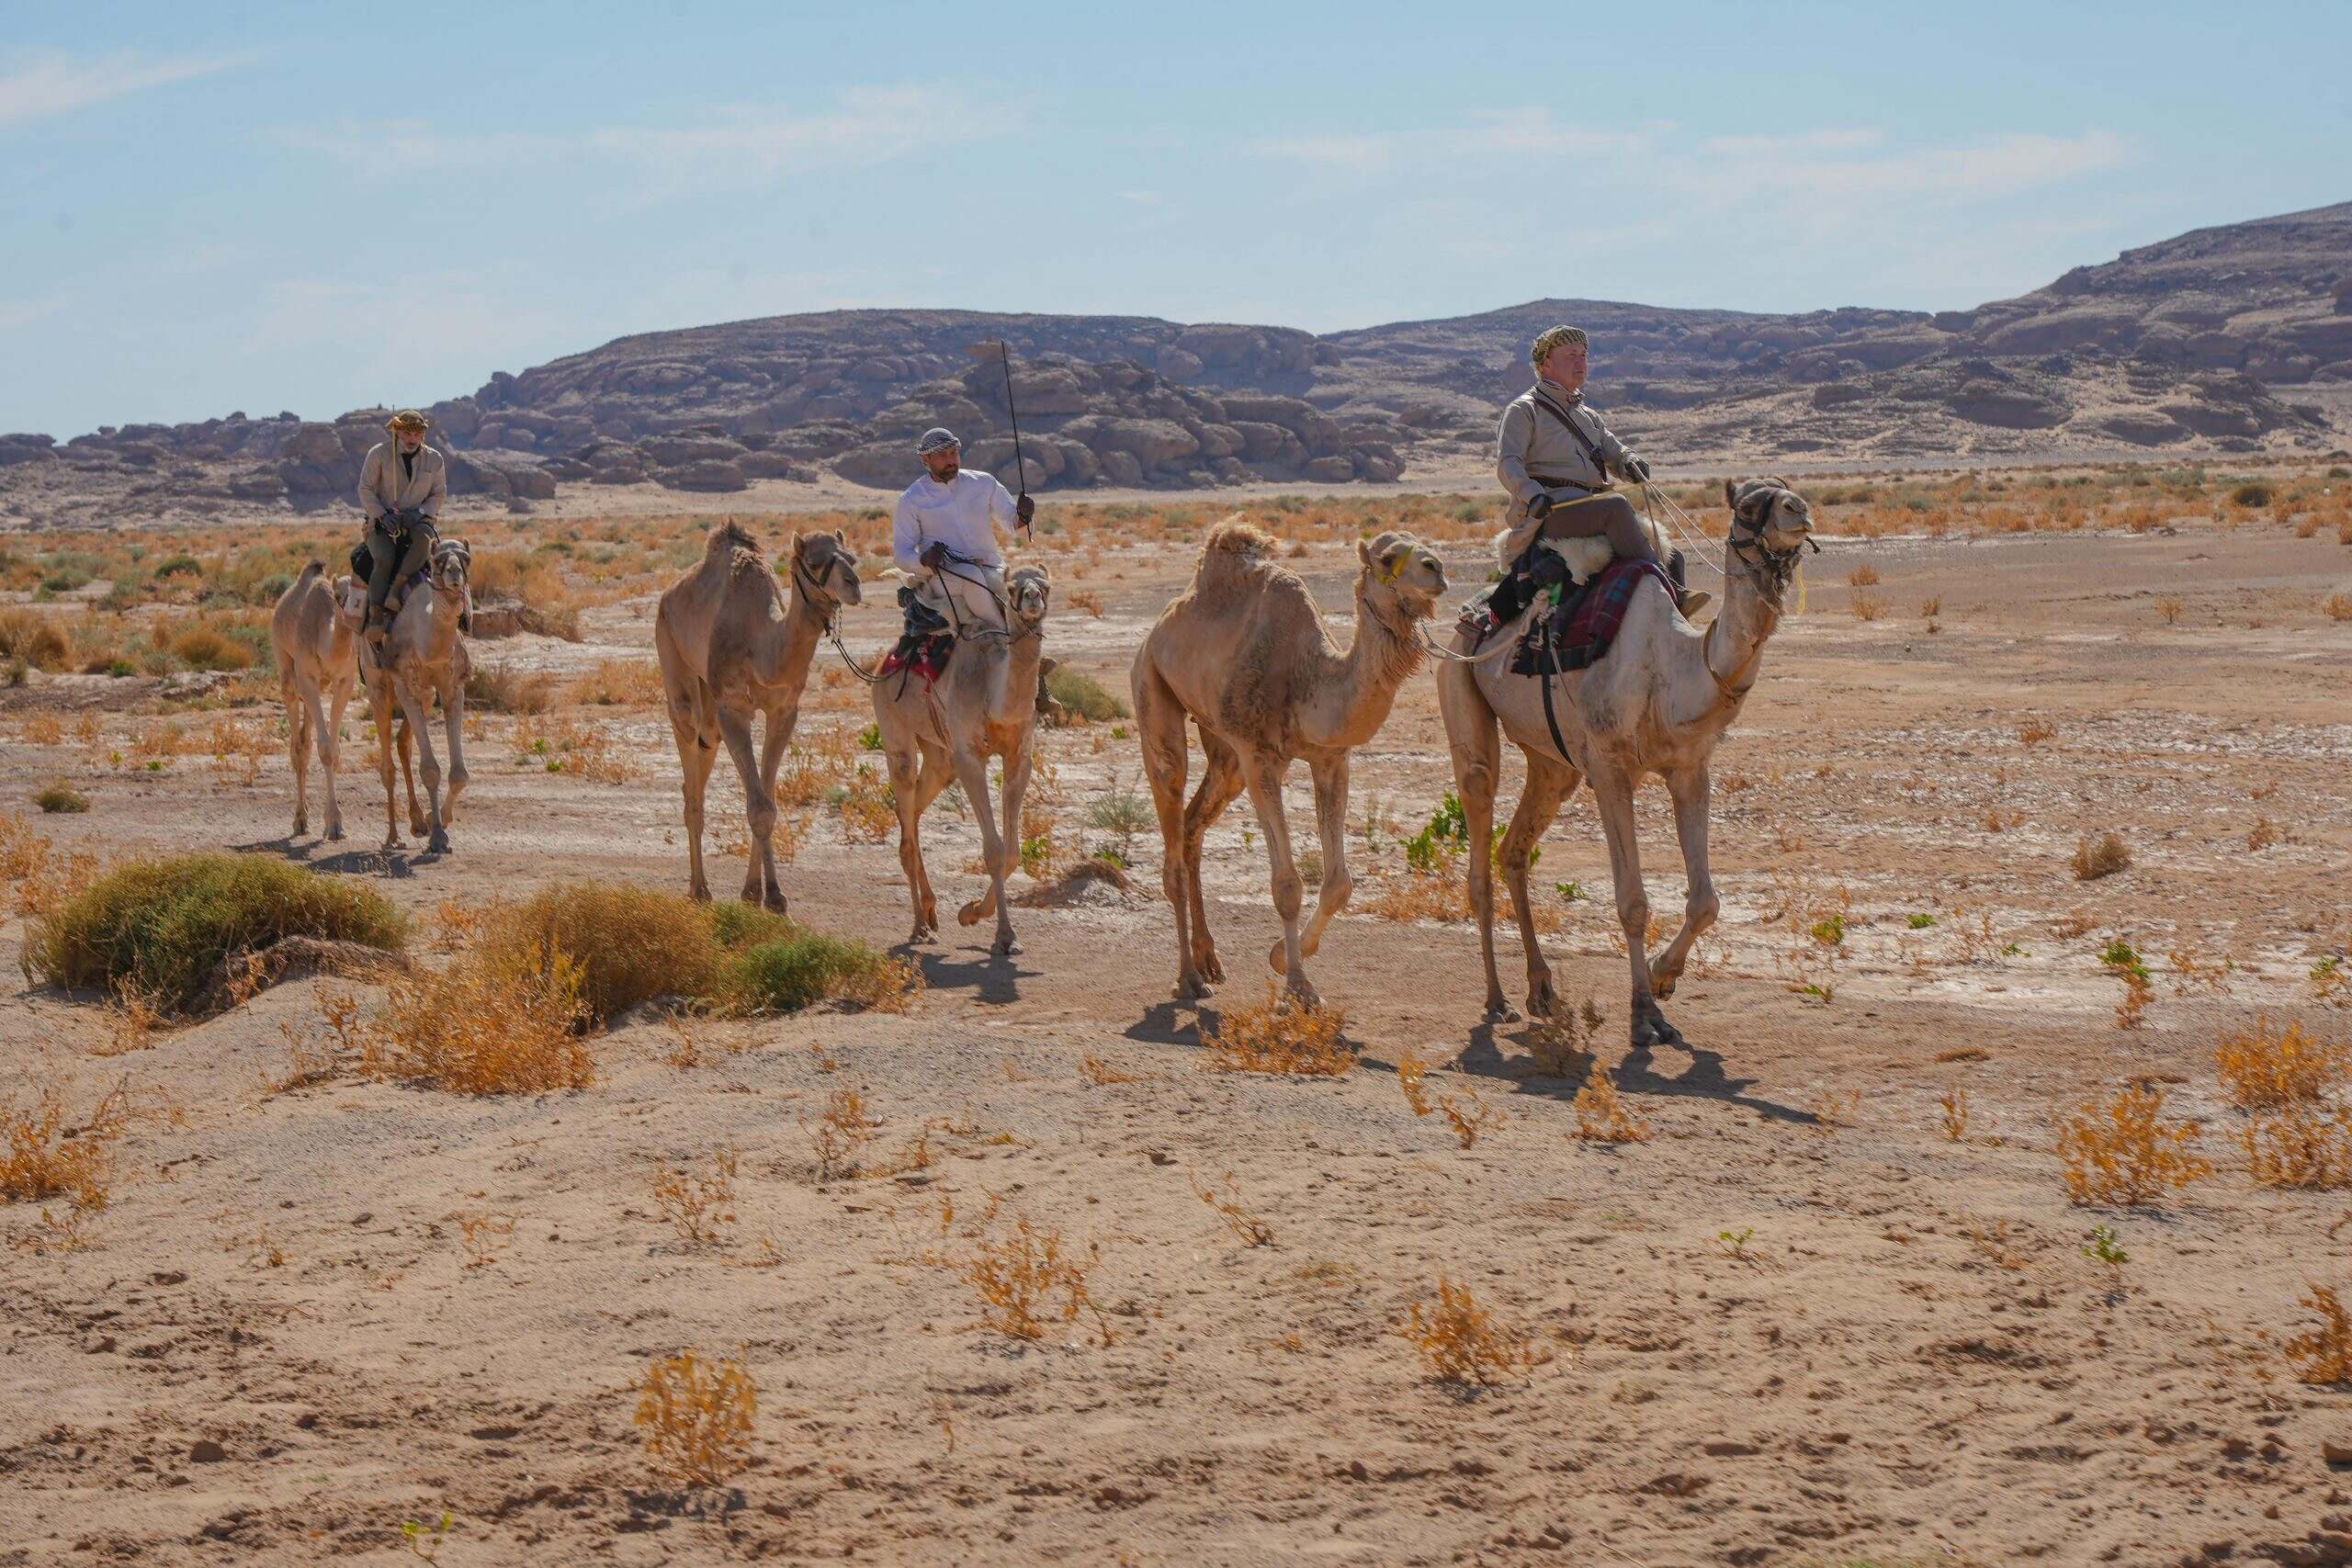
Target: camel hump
1235,549
310,570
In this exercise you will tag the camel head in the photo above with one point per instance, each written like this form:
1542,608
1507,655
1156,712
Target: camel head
452,566
1771,525
826,563
1401,570
1027,589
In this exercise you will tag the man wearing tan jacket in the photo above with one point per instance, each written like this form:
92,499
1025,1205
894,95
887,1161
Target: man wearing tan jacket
1558,459
401,487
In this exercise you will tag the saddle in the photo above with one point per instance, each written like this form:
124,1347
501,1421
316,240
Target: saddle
924,647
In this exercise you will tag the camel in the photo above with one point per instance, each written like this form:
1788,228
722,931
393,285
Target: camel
1243,654
312,636
730,646
423,659
984,705
1656,704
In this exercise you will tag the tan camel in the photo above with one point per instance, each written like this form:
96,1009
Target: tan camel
732,645
1244,655
1656,703
423,660
984,705
312,637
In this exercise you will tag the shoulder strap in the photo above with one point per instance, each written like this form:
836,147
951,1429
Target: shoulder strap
1591,450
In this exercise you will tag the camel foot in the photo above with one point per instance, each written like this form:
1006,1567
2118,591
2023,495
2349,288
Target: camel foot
1301,994
1650,1027
301,826
973,913
774,901
438,844
419,826
1541,1001
1499,1010
334,832
1189,988
1210,969
700,893
394,841
1005,946
1663,981
923,933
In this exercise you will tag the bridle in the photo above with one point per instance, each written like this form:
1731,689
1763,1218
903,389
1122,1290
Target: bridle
1768,570
814,590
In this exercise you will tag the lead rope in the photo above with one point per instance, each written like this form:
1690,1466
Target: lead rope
809,589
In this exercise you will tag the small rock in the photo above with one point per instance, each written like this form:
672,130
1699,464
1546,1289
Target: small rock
167,1277
205,1452
2334,1452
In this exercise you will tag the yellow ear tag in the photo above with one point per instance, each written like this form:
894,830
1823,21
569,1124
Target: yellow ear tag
1396,568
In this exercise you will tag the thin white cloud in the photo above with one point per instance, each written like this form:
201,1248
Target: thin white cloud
737,146
46,85
1489,134
1997,167
1771,145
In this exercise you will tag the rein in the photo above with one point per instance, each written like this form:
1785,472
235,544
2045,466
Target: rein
810,590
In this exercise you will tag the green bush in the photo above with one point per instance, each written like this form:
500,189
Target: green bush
163,925
180,565
632,943
1084,695
806,967
59,797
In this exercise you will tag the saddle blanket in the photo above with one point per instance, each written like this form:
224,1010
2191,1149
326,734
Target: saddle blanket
919,654
1580,634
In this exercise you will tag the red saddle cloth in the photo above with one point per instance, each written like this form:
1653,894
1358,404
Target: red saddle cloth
924,656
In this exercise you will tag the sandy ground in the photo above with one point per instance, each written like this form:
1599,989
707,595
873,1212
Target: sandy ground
1773,1338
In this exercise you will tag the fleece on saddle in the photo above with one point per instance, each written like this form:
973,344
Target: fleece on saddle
1581,636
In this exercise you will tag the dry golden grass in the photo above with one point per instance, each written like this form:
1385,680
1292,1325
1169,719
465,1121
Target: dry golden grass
2120,1150
563,743
2168,610
1280,1035
1459,1341
42,729
1411,1077
868,814
1101,1074
2262,835
841,1133
1018,1276
504,1020
1602,1115
1954,1102
2034,731
2324,1356
697,1205
1833,1108
1252,1230
1863,576
2270,1066
696,1416
2338,606
1467,1112
2098,855
2309,1147
1867,606
46,1156
131,1018
619,682
482,1237
1561,1040
1439,894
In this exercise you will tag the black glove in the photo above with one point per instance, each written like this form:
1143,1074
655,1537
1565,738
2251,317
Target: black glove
1635,470
1540,507
1025,508
934,555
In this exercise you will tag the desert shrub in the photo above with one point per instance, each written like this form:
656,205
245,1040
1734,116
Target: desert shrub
2323,1357
786,974
44,1154
33,639
1280,1035
631,945
2253,492
179,566
495,688
208,648
1084,695
2120,1150
696,1416
1459,1340
62,797
2269,1067
2307,1146
2098,855
506,1020
162,927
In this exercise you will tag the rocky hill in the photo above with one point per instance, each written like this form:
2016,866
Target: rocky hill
2236,338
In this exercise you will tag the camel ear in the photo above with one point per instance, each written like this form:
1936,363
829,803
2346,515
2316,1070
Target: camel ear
1363,551
800,544
1731,494
840,537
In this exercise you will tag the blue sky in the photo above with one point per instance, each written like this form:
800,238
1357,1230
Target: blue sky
315,206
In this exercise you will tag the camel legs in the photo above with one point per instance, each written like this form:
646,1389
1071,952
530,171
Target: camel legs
1264,778
1159,728
691,725
902,756
1473,738
1548,783
775,733
407,741
453,722
418,723
1614,794
1219,785
1331,832
1000,857
379,705
320,737
759,808
1700,905
298,752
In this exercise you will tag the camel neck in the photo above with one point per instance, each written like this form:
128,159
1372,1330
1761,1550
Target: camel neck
1380,660
1734,646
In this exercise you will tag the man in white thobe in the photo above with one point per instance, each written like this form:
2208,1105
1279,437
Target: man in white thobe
943,536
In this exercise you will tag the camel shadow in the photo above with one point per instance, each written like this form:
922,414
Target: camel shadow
988,978
1706,1079
393,863
1164,1023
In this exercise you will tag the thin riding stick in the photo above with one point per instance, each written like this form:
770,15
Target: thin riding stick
1020,467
